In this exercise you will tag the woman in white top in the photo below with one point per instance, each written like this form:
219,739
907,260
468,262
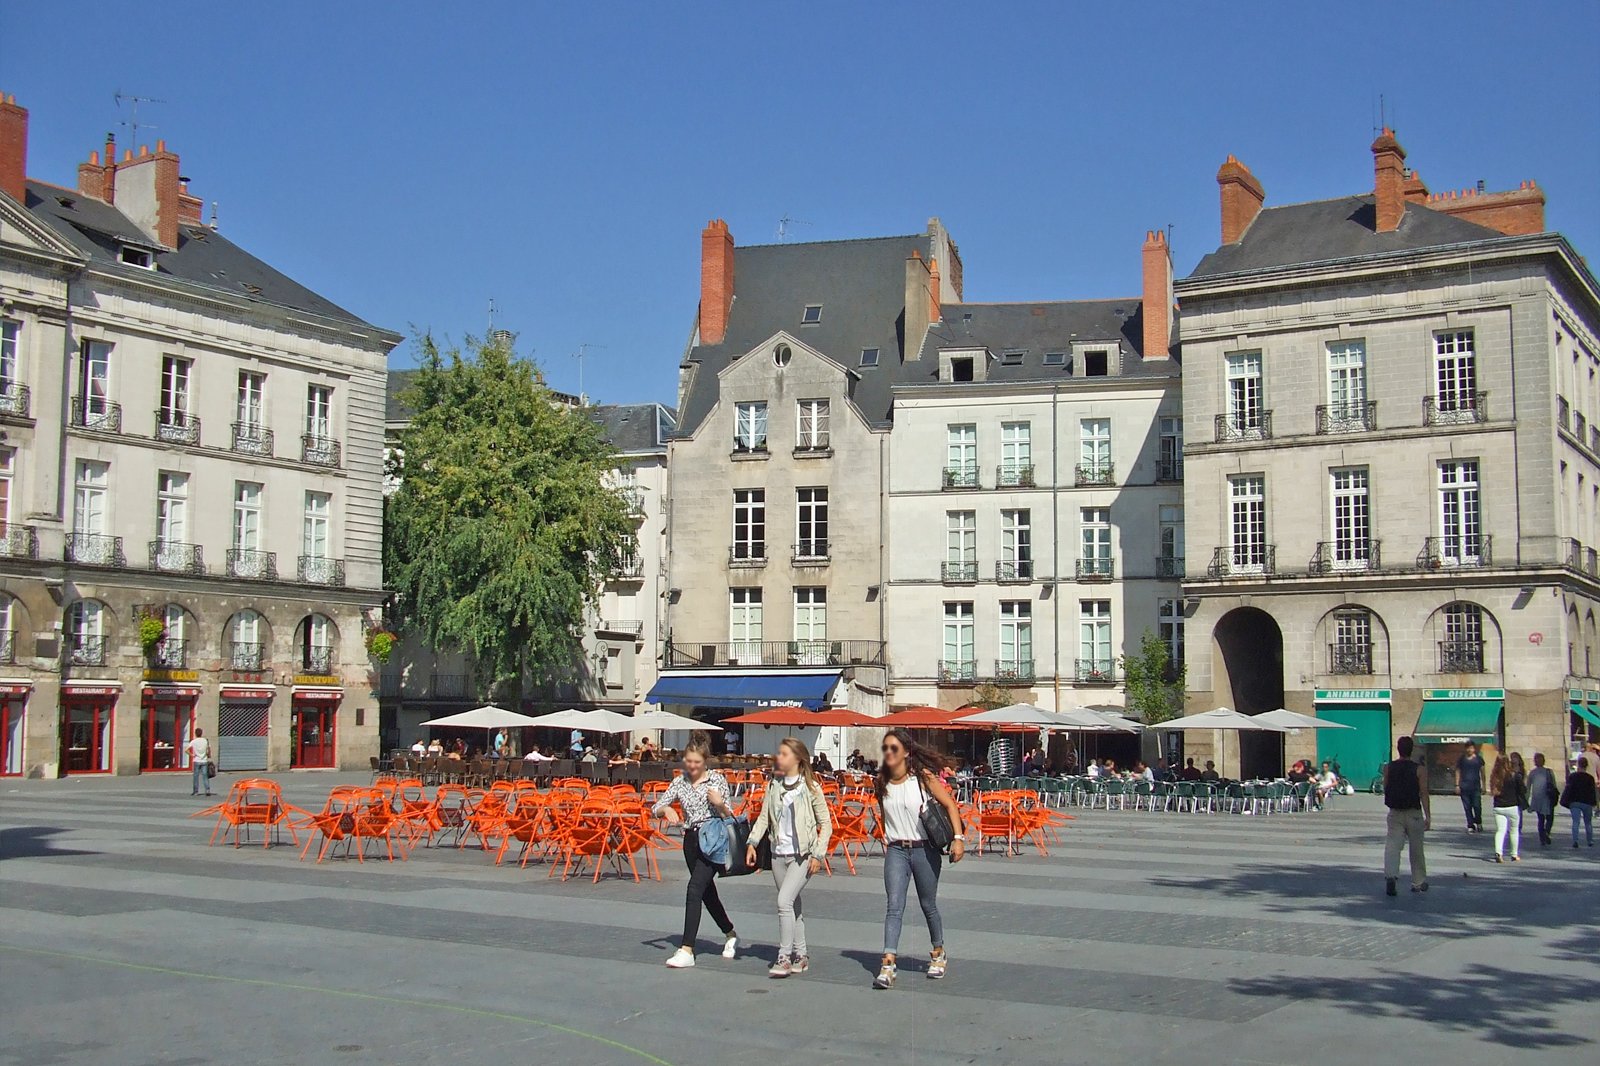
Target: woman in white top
796,814
701,792
907,782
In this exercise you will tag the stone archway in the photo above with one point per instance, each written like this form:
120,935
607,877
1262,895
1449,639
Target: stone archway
1249,647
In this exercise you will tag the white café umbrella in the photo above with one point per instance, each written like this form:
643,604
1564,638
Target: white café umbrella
1016,714
486,717
1221,718
667,720
1288,719
1088,721
596,721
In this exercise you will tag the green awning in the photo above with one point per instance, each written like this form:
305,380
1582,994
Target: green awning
1458,721
1588,714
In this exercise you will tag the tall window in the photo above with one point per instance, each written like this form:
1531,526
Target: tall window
750,427
1170,449
1247,518
170,652
749,523
1016,639
1347,384
958,663
811,523
172,518
7,465
744,624
1169,622
961,456
1094,639
1016,454
252,399
245,635
90,498
86,633
1456,369
1461,650
812,424
174,390
1352,518
319,412
316,526
10,334
961,545
1095,531
317,649
811,624
1244,392
1352,643
1016,544
93,402
1169,534
1094,450
247,516
1461,541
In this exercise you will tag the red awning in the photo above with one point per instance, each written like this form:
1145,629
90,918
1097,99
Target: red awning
920,718
799,716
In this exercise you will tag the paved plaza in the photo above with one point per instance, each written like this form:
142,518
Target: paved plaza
1143,937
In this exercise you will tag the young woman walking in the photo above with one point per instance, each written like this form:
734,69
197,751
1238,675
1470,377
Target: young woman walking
1510,790
700,792
795,813
908,782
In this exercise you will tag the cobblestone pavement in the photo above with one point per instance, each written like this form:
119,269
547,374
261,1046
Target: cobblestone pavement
1143,937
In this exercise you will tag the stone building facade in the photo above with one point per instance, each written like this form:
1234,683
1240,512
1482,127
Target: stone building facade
1392,477
190,464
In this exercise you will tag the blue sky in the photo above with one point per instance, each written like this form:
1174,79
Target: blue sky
413,160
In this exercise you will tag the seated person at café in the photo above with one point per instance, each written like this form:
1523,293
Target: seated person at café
856,761
1190,772
435,747
1210,772
1298,773
1327,783
420,747
1094,768
535,755
1143,772
821,764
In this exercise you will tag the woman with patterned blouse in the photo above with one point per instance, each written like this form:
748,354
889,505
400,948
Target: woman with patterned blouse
700,792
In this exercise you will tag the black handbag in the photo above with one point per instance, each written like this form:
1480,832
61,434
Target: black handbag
936,827
738,844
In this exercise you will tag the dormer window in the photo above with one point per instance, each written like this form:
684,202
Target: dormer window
869,357
1055,358
1096,364
137,257
812,315
961,368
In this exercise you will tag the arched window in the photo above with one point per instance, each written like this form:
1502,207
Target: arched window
315,642
1588,645
1467,638
1357,639
88,626
172,652
246,640
13,623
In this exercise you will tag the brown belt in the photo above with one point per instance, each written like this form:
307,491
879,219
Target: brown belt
907,844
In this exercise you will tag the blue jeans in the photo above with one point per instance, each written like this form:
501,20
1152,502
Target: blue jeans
1586,812
202,782
1472,806
901,866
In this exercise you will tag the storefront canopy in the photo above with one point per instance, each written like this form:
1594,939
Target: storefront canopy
1458,721
745,690
1588,714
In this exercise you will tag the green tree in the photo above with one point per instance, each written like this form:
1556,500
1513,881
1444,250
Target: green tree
502,528
1155,684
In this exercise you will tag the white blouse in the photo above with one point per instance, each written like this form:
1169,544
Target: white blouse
902,809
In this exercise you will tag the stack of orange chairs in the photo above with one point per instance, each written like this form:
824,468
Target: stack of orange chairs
252,801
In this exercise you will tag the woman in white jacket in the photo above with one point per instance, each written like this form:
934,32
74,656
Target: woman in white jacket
795,814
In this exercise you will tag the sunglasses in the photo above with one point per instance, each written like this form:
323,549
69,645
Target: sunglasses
891,748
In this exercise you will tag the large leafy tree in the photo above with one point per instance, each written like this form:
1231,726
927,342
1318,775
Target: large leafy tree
1155,684
502,528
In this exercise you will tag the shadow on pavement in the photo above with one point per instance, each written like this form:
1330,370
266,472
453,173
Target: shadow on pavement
33,841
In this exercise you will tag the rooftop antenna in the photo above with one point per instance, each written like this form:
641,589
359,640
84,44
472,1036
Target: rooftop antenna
783,226
580,355
492,310
132,122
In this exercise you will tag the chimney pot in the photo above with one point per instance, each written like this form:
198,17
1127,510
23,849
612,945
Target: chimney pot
1388,186
1156,309
716,281
14,149
1242,197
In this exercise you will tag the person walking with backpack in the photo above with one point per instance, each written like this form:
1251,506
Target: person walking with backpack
1509,789
1405,793
701,792
1542,796
908,785
795,814
1578,797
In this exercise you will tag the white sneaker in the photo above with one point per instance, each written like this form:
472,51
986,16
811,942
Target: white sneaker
681,959
731,948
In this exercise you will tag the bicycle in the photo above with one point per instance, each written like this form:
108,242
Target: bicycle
1376,786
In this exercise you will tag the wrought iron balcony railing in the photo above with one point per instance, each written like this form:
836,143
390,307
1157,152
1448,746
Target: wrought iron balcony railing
1469,551
743,556
1014,573
958,572
1014,476
8,648
1096,671
1009,670
746,653
252,438
628,570
170,654
18,541
1234,428
96,415
1096,568
86,651
316,660
810,553
16,399
247,656
95,549
177,427
1169,469
1170,567
1461,409
1360,416
632,627
319,451
956,671
252,565
1091,474
633,499
1461,656
451,686
320,570
1339,556
175,557
961,477
1245,560
1348,658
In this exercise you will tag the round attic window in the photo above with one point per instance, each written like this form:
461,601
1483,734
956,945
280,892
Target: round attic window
781,356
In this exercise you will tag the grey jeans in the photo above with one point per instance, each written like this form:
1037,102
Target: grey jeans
901,866
790,875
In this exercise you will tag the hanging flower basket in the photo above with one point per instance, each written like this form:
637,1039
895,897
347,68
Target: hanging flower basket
380,644
152,631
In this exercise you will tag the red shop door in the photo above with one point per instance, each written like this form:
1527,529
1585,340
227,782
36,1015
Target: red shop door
86,733
311,734
166,726
11,712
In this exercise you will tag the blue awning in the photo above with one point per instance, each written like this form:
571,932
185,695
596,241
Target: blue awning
745,690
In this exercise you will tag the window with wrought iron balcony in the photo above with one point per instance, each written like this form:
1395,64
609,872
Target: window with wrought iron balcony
95,549
85,650
169,653
1095,474
319,451
1170,567
1094,568
16,399
1010,670
1348,657
18,541
96,414
1249,559
810,553
252,438
961,476
959,571
1462,550
177,426
1096,671
956,671
1462,656
252,565
1455,408
319,570
175,557
1351,416
1244,425
8,647
247,656
1014,571
1014,476
317,659
1346,555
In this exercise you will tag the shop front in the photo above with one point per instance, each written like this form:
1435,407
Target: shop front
13,709
715,695
87,715
166,725
1583,721
1451,719
244,714
1361,750
313,728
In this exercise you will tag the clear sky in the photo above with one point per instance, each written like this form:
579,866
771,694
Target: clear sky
413,160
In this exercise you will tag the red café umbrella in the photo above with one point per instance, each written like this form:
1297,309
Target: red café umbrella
838,716
921,718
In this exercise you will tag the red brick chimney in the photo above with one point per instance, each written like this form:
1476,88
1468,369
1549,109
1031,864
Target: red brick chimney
934,296
1514,212
716,281
97,180
1242,197
1157,310
13,149
1415,188
1389,181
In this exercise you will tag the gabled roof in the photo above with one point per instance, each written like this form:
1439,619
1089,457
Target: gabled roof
860,285
203,257
1036,329
1325,230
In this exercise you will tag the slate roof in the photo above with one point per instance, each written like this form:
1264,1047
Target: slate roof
1326,230
394,410
203,257
1036,329
861,287
636,427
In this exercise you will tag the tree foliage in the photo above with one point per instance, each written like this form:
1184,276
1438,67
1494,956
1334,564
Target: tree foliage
502,528
1155,684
